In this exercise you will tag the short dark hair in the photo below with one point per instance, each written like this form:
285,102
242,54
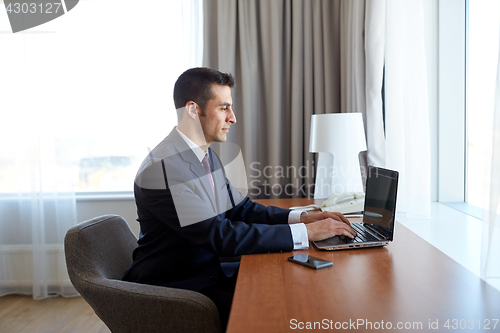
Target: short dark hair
195,85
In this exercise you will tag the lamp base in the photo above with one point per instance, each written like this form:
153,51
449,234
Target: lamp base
334,178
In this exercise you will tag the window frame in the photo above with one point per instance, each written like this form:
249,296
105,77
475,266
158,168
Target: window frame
452,101
452,127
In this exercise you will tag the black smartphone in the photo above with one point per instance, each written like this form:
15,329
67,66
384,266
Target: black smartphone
310,261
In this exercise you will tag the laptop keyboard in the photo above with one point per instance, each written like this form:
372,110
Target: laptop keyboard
362,235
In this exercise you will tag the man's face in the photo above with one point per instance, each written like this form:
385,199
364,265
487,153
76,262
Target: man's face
218,115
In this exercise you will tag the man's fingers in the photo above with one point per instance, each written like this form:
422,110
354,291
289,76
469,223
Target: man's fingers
343,218
329,227
350,233
337,216
343,228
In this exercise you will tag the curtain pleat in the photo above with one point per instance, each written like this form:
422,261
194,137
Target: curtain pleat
352,59
375,30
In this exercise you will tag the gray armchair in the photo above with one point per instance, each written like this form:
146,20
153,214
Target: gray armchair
98,252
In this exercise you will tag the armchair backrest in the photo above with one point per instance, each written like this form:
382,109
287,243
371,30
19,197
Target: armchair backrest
99,248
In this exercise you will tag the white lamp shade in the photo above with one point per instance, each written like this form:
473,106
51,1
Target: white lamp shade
338,138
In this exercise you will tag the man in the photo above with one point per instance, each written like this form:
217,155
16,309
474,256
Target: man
190,215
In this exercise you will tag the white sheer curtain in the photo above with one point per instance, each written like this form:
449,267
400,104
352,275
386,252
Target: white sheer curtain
363,27
93,83
406,105
37,200
35,219
388,34
490,246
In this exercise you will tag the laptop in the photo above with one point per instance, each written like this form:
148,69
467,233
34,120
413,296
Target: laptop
379,215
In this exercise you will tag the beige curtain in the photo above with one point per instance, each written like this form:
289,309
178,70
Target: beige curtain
285,56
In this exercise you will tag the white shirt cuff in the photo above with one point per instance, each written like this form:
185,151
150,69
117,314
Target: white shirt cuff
299,236
294,216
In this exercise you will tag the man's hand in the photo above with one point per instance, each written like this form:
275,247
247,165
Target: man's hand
327,224
309,218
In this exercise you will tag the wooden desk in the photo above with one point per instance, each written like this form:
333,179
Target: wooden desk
408,283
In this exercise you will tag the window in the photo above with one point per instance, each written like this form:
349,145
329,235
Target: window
468,55
85,95
482,59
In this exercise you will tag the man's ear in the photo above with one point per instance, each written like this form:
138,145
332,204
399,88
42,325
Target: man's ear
191,110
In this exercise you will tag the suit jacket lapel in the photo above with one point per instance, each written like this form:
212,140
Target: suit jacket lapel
194,165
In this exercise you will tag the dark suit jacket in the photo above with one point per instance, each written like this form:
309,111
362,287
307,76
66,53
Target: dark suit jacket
185,229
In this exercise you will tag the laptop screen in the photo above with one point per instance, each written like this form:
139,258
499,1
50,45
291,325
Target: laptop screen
380,200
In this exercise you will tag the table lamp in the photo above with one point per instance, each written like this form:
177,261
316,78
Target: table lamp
338,138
